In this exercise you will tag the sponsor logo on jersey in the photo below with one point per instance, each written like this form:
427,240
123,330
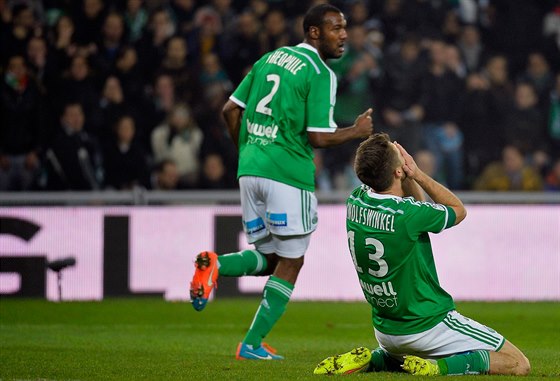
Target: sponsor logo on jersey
254,226
277,219
380,295
260,134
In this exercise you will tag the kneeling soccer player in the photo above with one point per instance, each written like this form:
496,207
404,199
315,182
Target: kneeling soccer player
415,321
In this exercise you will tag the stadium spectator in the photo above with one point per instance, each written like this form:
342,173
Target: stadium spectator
214,128
296,30
451,27
551,34
358,12
401,89
454,62
182,12
151,46
241,47
538,74
426,161
553,117
78,84
21,27
501,96
89,18
176,63
165,176
441,102
62,39
509,174
22,125
179,139
111,106
127,69
346,179
514,29
472,49
136,18
206,34
124,159
552,178
392,21
226,13
525,124
214,175
109,44
275,33
160,99
478,126
73,161
41,66
211,72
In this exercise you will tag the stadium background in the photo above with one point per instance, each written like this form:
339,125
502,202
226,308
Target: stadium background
139,175
118,102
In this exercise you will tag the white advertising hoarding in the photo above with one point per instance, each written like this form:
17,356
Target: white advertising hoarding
498,253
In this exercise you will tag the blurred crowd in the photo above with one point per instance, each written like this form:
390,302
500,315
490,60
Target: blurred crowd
99,94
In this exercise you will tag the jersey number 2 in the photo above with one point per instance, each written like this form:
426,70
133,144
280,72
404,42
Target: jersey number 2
379,251
262,106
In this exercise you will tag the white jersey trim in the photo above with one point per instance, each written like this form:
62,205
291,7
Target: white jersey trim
372,194
446,218
306,56
365,205
237,101
322,129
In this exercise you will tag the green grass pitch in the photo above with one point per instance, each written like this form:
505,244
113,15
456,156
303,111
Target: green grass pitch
149,339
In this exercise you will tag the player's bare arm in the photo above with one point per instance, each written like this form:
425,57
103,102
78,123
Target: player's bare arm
439,193
232,113
362,128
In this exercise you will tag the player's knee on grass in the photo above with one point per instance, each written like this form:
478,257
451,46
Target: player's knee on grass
523,366
509,361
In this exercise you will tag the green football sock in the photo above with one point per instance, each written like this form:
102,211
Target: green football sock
276,295
247,262
382,362
476,362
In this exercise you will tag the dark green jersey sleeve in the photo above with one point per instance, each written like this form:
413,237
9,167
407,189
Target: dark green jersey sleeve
427,217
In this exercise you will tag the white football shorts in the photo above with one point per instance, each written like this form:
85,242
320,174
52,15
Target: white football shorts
277,218
455,334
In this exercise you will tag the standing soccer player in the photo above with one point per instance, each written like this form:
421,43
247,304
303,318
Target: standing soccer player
415,321
280,111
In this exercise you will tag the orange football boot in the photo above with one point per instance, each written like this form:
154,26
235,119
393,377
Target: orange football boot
204,279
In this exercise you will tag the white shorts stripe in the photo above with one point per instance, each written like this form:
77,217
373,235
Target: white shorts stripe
477,333
467,332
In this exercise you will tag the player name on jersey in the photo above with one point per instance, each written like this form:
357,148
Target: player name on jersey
286,61
370,217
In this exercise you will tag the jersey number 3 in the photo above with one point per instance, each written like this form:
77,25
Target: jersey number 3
262,106
376,256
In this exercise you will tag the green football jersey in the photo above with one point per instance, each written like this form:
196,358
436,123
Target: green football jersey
389,243
288,92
